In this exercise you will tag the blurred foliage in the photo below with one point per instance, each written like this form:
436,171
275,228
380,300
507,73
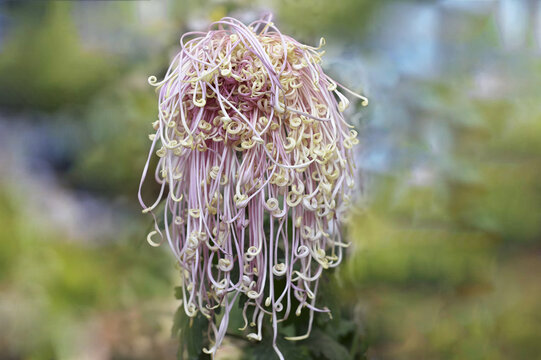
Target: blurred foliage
111,158
316,18
43,65
444,261
56,283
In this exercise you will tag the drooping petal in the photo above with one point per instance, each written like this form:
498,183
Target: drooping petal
255,167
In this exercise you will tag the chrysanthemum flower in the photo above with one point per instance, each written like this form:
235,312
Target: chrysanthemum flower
255,168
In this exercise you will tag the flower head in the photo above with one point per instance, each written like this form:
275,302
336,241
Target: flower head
255,167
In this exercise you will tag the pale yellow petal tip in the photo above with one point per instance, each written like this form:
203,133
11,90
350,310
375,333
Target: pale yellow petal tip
210,351
297,338
152,80
253,336
152,242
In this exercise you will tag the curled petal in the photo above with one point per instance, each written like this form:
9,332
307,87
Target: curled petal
255,163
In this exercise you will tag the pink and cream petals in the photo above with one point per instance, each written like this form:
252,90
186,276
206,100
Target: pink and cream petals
255,166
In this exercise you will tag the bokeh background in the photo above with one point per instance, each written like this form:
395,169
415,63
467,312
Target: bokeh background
445,261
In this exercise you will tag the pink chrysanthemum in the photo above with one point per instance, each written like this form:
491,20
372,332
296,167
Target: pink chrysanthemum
255,168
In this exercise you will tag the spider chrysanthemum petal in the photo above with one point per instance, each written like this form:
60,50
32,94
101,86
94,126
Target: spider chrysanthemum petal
255,165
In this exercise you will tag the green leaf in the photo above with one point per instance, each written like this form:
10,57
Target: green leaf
344,327
263,350
178,293
191,335
178,322
322,345
194,337
292,350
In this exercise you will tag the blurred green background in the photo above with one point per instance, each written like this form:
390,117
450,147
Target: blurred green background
445,259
